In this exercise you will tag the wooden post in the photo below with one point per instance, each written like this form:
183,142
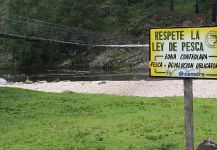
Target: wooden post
189,123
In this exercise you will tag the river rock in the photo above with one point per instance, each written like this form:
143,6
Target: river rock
3,81
207,145
28,81
102,82
57,80
42,82
141,66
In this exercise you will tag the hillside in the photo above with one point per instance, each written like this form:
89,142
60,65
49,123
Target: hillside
131,17
109,16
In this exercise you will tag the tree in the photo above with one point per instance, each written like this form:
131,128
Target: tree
171,5
197,7
208,7
214,10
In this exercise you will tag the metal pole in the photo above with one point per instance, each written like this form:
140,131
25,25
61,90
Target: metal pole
189,126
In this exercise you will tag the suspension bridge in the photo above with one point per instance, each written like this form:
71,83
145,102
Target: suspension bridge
14,26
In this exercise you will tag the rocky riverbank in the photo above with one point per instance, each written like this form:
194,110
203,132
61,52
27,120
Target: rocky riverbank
160,88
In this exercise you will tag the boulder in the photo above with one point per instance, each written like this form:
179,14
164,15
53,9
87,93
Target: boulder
102,82
3,81
141,66
42,82
28,81
207,145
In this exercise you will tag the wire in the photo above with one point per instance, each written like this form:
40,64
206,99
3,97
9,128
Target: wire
27,28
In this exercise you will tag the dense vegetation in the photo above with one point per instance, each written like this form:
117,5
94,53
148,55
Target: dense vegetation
37,120
110,16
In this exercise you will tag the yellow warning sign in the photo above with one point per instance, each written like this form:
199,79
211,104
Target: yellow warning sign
183,52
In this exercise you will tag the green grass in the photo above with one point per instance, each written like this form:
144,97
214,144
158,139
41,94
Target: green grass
69,121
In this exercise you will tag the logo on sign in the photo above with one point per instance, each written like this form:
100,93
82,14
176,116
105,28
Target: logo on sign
211,39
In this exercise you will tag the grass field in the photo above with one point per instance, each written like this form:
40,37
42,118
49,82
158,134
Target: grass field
69,121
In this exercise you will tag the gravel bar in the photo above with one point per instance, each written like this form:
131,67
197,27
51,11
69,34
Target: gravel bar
143,88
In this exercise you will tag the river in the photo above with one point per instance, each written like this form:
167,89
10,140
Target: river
72,75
